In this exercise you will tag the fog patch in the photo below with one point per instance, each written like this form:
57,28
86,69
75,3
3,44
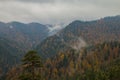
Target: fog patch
75,42
78,43
11,27
53,29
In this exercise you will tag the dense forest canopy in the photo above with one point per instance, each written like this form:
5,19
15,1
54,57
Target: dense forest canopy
97,62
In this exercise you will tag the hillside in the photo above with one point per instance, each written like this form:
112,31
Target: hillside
26,36
16,39
97,62
9,55
81,33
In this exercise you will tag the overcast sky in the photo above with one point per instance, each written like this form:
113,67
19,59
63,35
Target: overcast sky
56,11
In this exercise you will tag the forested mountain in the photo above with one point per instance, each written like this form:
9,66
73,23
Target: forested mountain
17,38
26,36
81,50
9,54
96,62
81,33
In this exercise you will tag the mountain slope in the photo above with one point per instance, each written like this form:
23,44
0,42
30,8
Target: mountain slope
97,62
79,34
25,35
16,39
9,54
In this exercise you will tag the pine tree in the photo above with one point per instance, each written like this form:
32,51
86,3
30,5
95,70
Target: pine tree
31,64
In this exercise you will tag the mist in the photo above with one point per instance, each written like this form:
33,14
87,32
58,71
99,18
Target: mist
78,43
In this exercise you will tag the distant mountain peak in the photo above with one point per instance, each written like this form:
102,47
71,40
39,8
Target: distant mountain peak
112,17
15,22
35,24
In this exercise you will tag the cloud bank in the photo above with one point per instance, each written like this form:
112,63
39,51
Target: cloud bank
56,11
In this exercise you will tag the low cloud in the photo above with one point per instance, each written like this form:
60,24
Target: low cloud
78,43
56,11
53,29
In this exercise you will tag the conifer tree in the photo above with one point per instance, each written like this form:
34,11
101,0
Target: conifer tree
31,64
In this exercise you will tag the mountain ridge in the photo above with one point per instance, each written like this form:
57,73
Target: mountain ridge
91,32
